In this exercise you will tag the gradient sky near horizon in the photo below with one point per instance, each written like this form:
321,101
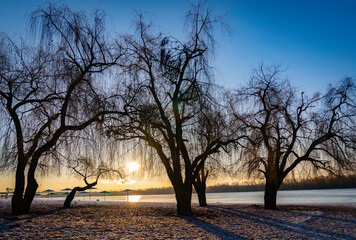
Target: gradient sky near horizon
313,40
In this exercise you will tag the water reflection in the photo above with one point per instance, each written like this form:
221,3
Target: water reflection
134,198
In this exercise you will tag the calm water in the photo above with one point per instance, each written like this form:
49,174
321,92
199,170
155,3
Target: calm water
324,196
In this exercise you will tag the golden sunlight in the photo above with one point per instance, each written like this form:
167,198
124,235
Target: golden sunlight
134,198
133,166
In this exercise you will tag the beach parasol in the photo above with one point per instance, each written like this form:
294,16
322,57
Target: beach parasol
127,193
90,191
48,191
83,193
4,194
66,190
105,192
51,194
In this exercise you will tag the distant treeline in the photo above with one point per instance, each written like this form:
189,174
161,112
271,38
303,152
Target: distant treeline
314,183
322,183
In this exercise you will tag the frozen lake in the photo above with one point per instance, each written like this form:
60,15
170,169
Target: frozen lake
319,196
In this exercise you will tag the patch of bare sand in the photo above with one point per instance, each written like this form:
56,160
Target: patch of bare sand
159,221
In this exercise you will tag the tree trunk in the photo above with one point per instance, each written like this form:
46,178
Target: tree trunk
200,188
271,196
71,195
17,201
31,187
184,199
70,198
273,180
30,193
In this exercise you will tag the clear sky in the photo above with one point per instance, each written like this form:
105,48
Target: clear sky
313,40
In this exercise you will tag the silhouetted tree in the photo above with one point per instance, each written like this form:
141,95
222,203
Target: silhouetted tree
50,91
210,125
286,130
88,170
95,156
168,90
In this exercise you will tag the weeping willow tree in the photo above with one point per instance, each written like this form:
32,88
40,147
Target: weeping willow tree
49,91
169,91
211,125
91,156
286,130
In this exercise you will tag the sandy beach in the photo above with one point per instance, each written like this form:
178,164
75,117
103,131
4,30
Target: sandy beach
118,220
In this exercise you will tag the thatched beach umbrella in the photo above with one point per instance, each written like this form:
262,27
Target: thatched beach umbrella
50,194
127,193
4,194
48,191
105,192
66,190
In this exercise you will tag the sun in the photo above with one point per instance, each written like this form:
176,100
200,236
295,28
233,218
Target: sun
133,166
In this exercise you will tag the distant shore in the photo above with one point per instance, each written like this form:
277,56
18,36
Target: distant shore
113,220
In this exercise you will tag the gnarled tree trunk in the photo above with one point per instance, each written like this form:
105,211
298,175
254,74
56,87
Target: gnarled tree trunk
273,182
30,194
21,202
184,199
200,187
17,201
31,187
71,195
270,199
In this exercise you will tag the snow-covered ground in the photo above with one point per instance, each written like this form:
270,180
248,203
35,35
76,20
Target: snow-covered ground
112,220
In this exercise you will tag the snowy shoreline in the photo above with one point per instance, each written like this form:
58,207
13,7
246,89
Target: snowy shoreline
113,220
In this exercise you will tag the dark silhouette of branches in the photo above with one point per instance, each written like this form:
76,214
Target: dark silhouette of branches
52,90
169,91
91,173
286,129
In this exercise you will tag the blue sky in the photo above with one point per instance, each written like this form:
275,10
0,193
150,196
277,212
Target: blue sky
313,40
